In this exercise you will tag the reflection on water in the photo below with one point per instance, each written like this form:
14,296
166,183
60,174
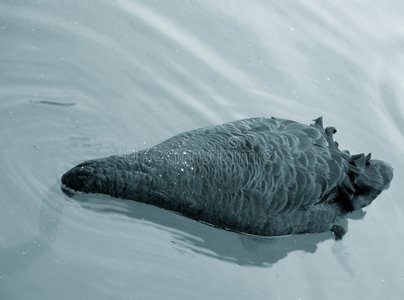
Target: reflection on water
191,235
86,79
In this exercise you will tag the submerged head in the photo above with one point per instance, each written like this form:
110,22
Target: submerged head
88,177
370,182
112,176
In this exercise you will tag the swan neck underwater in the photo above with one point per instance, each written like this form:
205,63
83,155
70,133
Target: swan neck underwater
263,176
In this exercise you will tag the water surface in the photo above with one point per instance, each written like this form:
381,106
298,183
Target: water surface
86,79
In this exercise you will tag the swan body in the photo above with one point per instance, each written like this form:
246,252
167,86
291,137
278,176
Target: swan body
263,176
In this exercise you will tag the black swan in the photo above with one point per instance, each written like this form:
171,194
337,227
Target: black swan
263,176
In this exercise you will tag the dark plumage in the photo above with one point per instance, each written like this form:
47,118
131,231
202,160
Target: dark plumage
264,176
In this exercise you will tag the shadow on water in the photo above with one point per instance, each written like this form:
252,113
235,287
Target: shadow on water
21,256
190,235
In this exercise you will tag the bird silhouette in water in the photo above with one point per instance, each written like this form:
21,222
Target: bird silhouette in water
263,176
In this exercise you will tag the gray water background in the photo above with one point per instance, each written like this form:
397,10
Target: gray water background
87,79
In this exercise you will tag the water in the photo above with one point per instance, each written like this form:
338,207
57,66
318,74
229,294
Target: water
86,79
